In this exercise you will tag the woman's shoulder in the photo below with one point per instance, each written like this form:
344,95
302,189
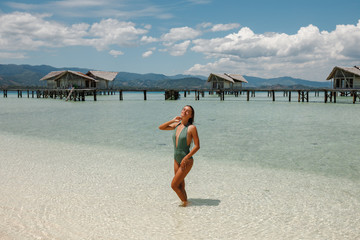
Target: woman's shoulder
192,127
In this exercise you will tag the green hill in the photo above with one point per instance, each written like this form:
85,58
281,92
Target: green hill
27,76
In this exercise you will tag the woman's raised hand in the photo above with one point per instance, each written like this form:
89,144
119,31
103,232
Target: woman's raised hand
177,119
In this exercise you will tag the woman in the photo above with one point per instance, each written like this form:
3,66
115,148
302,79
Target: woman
185,132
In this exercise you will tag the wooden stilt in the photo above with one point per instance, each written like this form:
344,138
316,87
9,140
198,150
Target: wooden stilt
197,95
354,96
325,96
331,93
307,96
121,95
222,95
289,96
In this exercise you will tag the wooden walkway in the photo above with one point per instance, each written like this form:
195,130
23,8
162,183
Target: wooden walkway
330,95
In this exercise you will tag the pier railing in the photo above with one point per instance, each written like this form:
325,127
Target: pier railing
330,95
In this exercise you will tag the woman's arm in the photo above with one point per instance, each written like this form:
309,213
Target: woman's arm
170,125
195,137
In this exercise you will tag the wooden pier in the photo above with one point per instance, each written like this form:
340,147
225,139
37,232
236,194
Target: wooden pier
330,95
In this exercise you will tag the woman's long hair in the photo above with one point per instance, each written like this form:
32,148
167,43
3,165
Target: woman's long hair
191,120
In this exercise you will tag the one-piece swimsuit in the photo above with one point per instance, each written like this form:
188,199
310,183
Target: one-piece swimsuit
182,148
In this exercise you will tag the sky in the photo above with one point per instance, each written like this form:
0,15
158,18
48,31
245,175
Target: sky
262,38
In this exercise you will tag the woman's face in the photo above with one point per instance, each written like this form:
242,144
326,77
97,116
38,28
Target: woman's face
186,112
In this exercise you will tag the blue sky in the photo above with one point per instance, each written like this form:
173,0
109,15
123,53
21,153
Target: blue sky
263,38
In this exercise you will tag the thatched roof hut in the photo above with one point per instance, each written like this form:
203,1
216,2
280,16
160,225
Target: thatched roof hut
226,81
104,77
56,75
68,79
345,77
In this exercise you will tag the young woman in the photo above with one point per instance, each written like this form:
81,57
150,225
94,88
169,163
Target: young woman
185,133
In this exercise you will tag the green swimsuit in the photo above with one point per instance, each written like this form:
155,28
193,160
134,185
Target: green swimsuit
182,149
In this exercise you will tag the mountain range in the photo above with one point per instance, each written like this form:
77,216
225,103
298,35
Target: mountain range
28,76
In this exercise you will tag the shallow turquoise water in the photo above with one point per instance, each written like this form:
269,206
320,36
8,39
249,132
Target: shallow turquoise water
265,169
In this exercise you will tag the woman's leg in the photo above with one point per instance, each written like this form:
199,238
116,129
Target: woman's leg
182,184
178,183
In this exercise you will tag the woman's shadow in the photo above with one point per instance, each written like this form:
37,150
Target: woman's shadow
203,202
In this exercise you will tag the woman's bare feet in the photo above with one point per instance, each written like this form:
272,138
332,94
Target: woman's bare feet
184,204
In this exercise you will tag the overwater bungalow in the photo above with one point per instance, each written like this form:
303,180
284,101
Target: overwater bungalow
68,79
345,77
103,80
226,81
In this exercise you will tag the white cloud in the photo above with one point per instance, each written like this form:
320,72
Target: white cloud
115,53
113,32
147,26
309,53
200,1
21,6
147,54
179,49
97,9
24,31
224,27
10,55
178,34
205,25
80,3
68,4
147,39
